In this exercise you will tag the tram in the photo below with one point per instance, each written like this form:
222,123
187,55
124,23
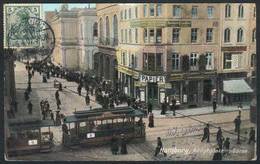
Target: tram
98,126
27,138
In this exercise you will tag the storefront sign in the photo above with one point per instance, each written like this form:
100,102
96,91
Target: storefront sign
159,23
139,84
178,24
148,23
237,48
32,142
152,79
90,135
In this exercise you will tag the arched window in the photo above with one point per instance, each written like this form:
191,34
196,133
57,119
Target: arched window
107,28
254,35
227,10
115,29
101,34
95,29
240,35
240,11
227,35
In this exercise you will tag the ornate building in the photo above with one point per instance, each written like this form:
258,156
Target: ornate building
76,37
165,50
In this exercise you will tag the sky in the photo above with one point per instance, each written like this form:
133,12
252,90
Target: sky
53,6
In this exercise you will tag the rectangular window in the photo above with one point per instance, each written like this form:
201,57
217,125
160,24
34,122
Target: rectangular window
145,8
176,11
253,60
145,35
151,35
145,61
158,61
175,61
122,36
125,14
136,35
151,9
227,61
194,35
193,60
210,11
175,35
159,10
124,58
130,36
129,13
209,35
209,61
121,15
194,11
126,36
151,62
136,12
158,35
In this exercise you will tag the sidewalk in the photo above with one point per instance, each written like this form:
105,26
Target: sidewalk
198,111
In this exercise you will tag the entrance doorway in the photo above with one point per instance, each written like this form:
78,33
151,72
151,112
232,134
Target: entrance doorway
207,88
152,92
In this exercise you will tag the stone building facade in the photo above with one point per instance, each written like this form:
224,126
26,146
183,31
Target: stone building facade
157,41
76,37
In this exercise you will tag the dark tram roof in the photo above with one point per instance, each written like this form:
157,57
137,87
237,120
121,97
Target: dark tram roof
31,125
102,114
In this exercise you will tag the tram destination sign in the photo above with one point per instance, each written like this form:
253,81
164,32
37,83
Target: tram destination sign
152,79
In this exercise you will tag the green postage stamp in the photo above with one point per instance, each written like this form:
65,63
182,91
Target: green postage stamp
17,27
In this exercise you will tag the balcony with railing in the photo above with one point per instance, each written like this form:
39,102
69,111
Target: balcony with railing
109,42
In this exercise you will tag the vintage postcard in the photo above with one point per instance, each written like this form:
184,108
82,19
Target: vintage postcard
130,81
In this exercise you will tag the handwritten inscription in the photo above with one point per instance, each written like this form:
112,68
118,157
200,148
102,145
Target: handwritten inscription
183,131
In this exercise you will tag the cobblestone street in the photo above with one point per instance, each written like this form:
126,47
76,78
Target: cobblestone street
182,133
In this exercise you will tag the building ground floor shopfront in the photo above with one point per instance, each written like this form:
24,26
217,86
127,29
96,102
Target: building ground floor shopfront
234,88
191,90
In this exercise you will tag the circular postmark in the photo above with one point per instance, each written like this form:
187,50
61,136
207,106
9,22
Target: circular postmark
34,36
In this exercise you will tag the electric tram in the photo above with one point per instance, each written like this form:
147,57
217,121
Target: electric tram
98,126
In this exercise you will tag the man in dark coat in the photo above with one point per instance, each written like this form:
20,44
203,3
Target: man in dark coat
163,106
79,89
151,120
219,134
150,107
214,105
237,122
123,145
226,146
114,145
159,147
58,103
87,99
30,106
57,95
217,155
173,106
251,135
206,133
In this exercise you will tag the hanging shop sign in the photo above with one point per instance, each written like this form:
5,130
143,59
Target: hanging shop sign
152,79
139,84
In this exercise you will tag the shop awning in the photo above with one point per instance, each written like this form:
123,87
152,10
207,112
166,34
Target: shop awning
236,86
